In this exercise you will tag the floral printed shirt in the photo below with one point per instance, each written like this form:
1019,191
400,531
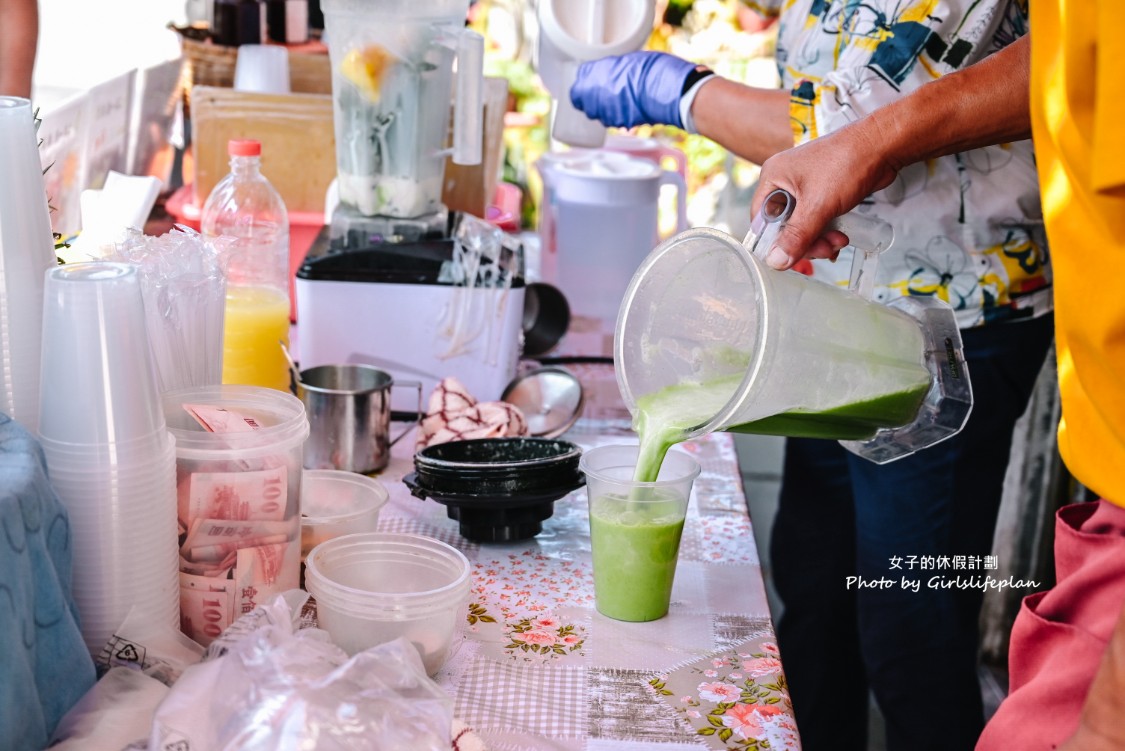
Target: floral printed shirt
968,227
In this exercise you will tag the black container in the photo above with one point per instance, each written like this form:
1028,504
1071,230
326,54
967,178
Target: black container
499,489
275,21
225,28
249,22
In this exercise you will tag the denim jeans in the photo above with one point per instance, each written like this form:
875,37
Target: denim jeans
841,516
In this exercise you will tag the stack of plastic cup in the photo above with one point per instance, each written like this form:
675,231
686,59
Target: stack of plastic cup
26,252
109,454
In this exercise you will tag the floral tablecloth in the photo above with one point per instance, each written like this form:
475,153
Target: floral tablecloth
538,668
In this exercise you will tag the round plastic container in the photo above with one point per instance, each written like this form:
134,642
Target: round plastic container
248,475
371,588
335,503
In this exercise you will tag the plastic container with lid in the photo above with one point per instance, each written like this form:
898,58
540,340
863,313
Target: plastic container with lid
372,588
239,453
245,209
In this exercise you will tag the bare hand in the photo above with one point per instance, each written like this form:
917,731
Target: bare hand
829,177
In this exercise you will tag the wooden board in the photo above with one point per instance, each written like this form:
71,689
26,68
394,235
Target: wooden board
296,131
470,188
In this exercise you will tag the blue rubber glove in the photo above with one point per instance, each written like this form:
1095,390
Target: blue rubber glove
639,88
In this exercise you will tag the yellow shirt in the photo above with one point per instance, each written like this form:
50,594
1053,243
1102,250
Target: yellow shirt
1078,125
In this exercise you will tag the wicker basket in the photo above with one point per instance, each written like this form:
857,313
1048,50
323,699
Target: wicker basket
208,64
205,64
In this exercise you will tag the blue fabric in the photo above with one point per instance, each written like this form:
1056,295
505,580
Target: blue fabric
842,516
45,667
639,88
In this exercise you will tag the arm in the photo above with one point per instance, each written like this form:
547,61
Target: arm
986,103
648,87
748,121
19,35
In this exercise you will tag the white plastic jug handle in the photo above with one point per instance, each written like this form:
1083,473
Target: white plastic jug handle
677,156
867,235
668,177
468,107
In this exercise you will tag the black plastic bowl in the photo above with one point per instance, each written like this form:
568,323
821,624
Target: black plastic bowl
499,489
501,466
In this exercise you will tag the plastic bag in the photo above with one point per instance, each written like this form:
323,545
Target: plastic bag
184,291
113,714
158,650
272,686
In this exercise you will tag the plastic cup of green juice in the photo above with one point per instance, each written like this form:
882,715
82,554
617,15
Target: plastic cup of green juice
635,530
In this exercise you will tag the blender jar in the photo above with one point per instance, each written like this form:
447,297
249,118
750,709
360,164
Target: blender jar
392,74
710,338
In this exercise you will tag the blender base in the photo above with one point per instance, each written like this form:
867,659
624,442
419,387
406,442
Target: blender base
351,230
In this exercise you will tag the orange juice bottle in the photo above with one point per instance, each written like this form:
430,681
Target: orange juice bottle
257,318
251,225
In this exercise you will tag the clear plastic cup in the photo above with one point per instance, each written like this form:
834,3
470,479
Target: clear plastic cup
25,254
371,588
635,530
109,459
124,541
102,617
96,362
335,503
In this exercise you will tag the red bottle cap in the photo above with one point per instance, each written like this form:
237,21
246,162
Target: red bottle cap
244,147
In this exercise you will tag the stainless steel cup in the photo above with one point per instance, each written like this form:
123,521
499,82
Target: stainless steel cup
349,411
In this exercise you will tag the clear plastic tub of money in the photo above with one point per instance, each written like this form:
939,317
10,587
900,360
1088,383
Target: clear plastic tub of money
335,503
371,588
239,453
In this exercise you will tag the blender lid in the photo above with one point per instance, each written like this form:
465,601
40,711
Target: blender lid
551,400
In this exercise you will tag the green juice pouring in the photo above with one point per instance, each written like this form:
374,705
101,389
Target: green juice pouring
709,338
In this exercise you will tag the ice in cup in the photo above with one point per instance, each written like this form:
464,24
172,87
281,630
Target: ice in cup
635,530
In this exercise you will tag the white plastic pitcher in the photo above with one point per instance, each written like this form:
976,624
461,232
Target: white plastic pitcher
599,220
392,74
710,335
574,31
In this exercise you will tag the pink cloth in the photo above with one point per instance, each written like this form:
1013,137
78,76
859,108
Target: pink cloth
454,415
1059,635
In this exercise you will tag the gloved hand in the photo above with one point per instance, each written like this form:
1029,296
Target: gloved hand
639,88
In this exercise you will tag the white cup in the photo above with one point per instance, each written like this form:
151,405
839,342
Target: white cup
263,68
97,374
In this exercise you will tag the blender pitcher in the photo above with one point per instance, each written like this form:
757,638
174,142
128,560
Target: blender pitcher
710,338
392,76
